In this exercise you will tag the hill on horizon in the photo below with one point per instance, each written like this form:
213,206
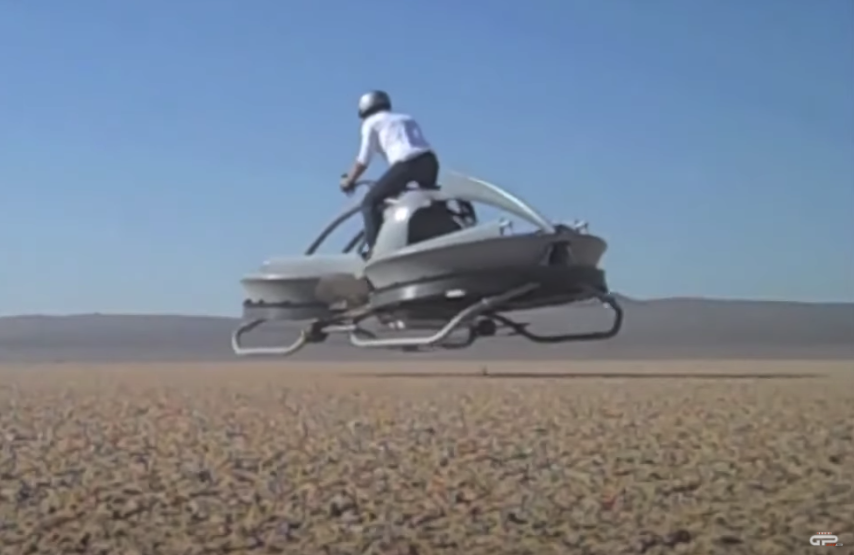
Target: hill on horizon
623,299
659,328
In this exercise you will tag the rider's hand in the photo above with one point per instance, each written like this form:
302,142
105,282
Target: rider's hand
346,185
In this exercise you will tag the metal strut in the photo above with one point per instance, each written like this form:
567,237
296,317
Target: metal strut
478,308
607,300
318,330
246,327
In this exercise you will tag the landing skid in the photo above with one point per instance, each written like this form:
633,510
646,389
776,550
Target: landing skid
446,298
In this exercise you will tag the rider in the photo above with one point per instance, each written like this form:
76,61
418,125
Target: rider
399,138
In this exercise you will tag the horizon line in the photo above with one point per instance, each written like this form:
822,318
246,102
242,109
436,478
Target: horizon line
625,298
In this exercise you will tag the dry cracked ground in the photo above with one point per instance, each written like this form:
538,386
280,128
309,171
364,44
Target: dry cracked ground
629,458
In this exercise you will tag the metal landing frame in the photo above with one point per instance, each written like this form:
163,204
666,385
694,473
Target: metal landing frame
519,289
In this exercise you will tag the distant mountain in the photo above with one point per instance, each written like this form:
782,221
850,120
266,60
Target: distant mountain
666,328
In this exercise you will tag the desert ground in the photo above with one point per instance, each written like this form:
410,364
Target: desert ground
416,458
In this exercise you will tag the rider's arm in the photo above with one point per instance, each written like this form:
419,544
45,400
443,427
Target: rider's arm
366,152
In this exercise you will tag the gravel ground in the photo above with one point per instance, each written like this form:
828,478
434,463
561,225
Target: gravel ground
605,458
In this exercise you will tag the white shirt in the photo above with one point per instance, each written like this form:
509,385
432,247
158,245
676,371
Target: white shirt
397,137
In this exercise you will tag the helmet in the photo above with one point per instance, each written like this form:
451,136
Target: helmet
373,102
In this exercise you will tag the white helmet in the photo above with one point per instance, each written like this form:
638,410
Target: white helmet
372,102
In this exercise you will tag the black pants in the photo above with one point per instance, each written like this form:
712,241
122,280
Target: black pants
423,170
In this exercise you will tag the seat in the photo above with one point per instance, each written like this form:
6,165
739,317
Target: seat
431,221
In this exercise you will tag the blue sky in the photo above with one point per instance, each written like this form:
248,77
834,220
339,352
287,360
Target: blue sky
153,151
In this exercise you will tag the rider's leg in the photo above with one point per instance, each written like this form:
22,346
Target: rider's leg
423,170
392,182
